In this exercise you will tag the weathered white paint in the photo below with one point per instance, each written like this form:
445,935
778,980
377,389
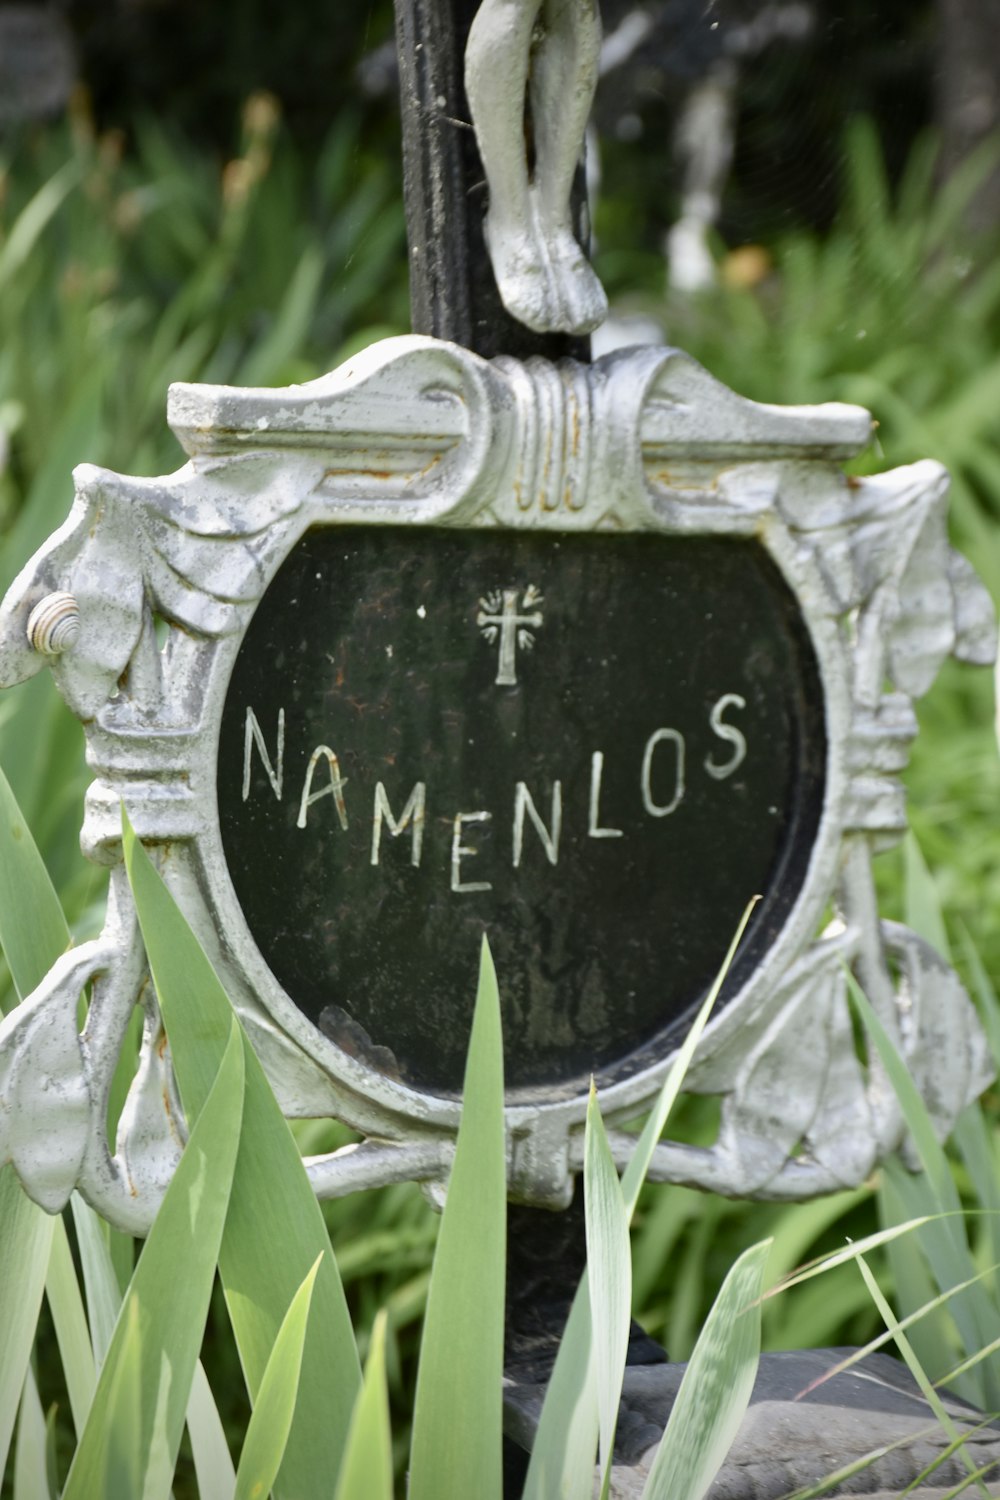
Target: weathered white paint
730,734
498,617
524,803
594,829
460,851
334,789
659,737
413,816
253,735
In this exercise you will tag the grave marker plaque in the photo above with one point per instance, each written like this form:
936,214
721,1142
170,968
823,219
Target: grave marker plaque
593,748
581,657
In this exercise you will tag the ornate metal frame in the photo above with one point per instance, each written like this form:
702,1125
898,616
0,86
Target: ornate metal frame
419,432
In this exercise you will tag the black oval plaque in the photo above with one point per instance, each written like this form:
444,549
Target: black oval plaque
594,748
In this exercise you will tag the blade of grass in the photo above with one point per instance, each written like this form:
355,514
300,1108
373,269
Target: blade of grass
159,1331
33,933
716,1389
290,322
910,1324
457,1414
609,1278
914,1366
51,1451
989,1005
690,1271
923,912
934,1193
837,1477
945,1251
978,1147
33,930
561,1463
824,1263
950,1376
209,1450
933,1337
213,1464
31,1477
66,1305
119,1469
946,1453
271,1422
565,1447
976,1477
366,1473
265,1252
635,1173
31,222
122,1246
100,1280
932,1156
77,431
25,1243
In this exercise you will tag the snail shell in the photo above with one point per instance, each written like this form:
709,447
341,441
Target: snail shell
54,624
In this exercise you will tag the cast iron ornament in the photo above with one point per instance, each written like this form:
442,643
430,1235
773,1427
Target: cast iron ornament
500,464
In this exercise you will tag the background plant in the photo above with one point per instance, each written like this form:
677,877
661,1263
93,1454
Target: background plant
121,269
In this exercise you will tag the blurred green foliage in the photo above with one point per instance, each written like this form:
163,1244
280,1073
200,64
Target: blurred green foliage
125,265
120,272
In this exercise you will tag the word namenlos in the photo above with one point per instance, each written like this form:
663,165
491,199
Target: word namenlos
662,784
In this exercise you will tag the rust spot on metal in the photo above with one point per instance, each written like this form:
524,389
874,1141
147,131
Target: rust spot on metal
675,480
355,473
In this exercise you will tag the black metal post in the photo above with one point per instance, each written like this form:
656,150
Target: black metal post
453,295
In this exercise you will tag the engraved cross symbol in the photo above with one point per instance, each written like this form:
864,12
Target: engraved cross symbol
498,617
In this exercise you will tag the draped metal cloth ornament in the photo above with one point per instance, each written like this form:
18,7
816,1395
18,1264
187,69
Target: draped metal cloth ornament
144,606
539,56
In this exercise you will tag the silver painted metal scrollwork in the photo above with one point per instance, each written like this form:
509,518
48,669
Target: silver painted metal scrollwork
138,605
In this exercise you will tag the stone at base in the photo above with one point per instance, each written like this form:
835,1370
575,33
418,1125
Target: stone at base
795,1433
922,1493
